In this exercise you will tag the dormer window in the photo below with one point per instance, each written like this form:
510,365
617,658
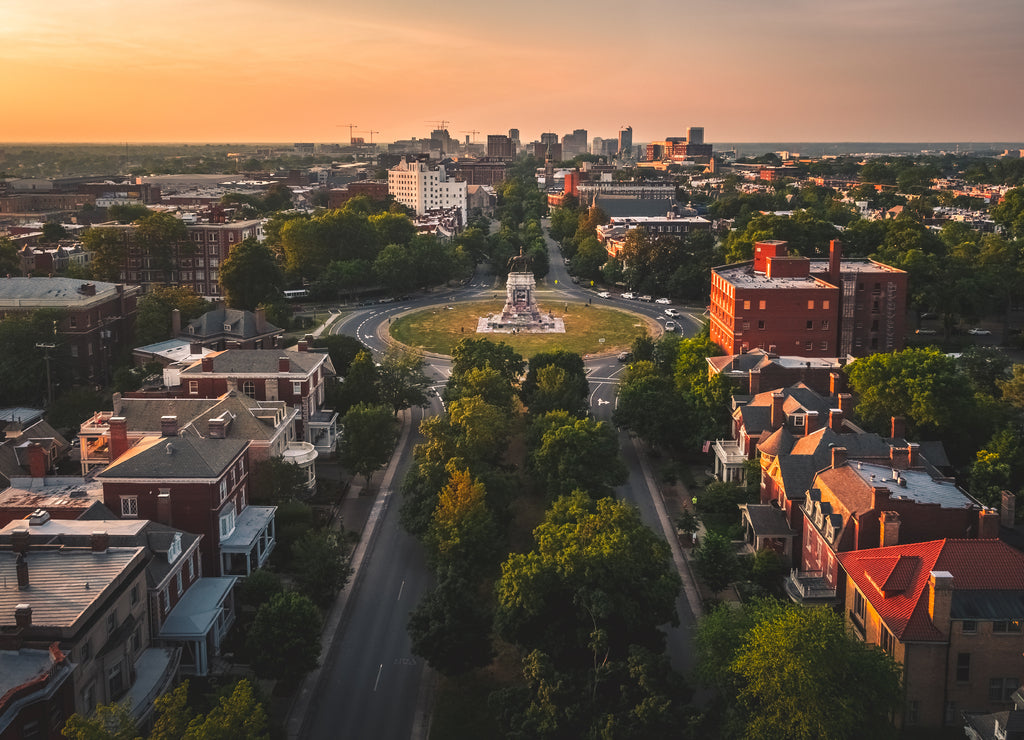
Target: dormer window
227,327
174,551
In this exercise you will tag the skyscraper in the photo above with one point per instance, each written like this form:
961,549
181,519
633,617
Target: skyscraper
626,140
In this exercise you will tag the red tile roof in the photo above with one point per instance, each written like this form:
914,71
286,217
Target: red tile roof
894,579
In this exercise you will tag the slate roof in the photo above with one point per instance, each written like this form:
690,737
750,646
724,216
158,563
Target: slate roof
63,584
976,566
262,362
183,457
142,415
243,324
757,413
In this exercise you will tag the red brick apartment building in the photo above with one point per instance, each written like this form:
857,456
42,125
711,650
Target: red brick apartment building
808,307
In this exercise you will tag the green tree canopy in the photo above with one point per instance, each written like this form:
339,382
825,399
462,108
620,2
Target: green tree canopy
451,627
368,436
568,390
463,535
251,276
153,323
581,455
320,562
401,382
284,639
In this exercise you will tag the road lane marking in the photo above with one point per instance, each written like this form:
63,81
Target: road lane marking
400,590
377,682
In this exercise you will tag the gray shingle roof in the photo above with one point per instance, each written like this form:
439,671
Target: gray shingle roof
184,456
212,323
262,362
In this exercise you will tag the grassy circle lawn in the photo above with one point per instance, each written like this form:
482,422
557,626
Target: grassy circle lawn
439,328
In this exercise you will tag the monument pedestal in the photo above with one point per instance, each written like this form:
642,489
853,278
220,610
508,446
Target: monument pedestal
521,312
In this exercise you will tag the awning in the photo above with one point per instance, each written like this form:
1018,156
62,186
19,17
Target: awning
197,612
249,525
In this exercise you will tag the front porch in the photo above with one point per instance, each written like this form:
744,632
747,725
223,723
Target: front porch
729,461
251,542
322,431
810,587
765,527
199,622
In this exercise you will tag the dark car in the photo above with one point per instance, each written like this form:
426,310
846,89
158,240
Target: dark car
625,356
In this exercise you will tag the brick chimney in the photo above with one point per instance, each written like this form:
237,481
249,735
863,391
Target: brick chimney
838,457
778,416
261,320
810,422
218,426
118,426
87,289
284,365
835,260
168,426
207,364
940,599
889,528
303,346
845,403
163,508
988,524
835,384
1008,509
117,403
913,455
195,348
175,323
37,460
23,616
20,540
99,541
899,427
21,567
835,420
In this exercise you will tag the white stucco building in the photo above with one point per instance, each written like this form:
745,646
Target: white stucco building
415,185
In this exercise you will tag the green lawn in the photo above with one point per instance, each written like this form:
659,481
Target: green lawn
439,329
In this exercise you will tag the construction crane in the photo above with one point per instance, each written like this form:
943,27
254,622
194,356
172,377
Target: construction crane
442,124
371,133
350,127
474,133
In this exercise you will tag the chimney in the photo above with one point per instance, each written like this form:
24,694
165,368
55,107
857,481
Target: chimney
835,384
810,422
988,524
20,540
283,365
168,426
87,289
835,420
940,599
913,455
163,508
303,346
207,364
845,403
36,460
838,457
23,616
99,541
21,566
195,348
118,426
773,352
897,455
1008,509
218,426
889,528
117,404
899,427
835,260
261,320
778,416
175,323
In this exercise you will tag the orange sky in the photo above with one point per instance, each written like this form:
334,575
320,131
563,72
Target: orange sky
747,70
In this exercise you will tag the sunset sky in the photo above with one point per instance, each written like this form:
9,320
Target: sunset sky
746,70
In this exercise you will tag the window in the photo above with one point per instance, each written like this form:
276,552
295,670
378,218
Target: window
746,305
810,324
808,346
112,621
1006,627
223,488
761,305
1000,689
746,324
193,387
969,627
191,570
84,652
963,666
824,305
179,584
859,609
810,305
297,388
73,321
888,642
824,346
133,596
249,387
227,523
760,324
74,350
912,712
115,681
129,506
174,549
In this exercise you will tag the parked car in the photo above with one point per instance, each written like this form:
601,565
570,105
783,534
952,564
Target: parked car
671,326
979,332
625,356
629,296
604,294
671,312
646,298
925,331
929,315
663,301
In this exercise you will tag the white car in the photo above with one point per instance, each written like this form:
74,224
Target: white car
629,296
978,332
671,326
646,298
671,312
604,294
663,301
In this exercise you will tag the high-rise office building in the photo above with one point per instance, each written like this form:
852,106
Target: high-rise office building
626,140
695,135
500,146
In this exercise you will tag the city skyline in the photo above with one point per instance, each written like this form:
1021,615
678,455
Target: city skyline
905,70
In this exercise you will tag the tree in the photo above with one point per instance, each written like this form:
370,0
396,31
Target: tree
162,237
478,353
320,561
1012,388
126,213
582,455
401,381
284,639
451,627
109,722
567,390
259,587
791,666
238,715
10,263
276,480
485,382
463,534
595,566
368,436
342,349
22,361
250,276
395,269
649,404
360,385
153,323
715,561
109,248
173,713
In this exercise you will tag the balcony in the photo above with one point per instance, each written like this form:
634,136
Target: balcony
729,460
303,455
809,587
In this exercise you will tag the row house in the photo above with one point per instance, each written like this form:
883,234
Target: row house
765,369
196,483
224,328
184,609
949,611
36,693
296,377
91,603
270,428
98,323
62,497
